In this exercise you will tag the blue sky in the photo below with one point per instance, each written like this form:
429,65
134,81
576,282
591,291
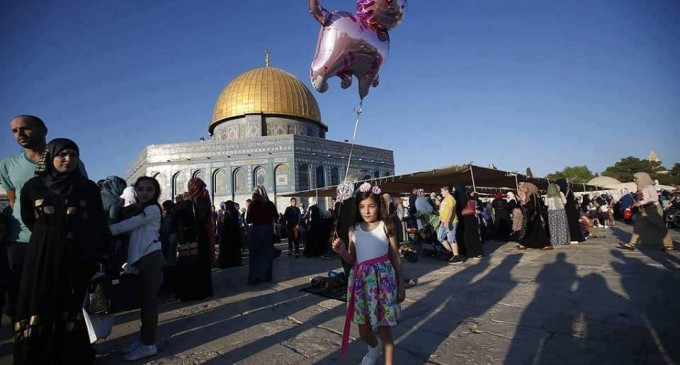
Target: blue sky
540,84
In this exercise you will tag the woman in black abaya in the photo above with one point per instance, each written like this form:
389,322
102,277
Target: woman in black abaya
64,212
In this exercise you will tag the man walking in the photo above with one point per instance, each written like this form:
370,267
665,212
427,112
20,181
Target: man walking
447,228
291,218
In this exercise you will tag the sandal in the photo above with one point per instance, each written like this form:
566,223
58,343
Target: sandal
547,248
626,246
520,247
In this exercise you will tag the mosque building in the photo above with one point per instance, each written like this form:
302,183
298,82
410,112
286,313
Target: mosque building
266,129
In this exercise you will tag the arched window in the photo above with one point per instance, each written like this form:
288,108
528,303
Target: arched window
366,177
303,177
240,181
320,177
162,180
199,174
220,182
260,176
179,184
335,176
376,173
281,173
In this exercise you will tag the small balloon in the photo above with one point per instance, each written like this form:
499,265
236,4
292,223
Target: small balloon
344,191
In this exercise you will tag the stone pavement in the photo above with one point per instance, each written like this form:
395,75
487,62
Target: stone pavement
581,304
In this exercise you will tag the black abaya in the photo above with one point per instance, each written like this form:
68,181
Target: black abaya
69,234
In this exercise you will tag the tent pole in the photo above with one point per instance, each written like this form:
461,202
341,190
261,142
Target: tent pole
474,187
516,183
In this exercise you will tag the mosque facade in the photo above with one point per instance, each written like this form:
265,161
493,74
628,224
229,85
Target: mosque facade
266,130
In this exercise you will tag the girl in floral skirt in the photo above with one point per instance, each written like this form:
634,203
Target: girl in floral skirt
376,285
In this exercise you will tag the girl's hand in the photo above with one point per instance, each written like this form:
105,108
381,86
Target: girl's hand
401,293
338,246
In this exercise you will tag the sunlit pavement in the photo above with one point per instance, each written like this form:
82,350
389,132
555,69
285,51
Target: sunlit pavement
583,304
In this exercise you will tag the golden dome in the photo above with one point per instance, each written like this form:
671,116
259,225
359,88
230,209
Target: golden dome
265,90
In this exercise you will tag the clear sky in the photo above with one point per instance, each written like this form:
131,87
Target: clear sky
535,83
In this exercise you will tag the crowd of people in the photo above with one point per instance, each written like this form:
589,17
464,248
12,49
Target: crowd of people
61,229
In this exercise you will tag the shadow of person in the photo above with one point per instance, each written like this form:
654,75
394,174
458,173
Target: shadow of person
668,260
656,302
448,310
553,298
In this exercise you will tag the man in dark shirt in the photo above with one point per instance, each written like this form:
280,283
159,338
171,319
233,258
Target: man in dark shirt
291,218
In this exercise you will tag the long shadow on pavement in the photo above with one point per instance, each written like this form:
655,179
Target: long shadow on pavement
449,311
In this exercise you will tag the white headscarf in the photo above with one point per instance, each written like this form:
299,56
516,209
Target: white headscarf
511,196
311,201
129,196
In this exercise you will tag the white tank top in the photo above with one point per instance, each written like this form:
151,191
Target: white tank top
371,244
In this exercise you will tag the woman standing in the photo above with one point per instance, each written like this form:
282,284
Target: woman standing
533,233
262,214
650,227
230,243
144,255
314,245
195,231
63,210
471,234
502,216
572,211
557,216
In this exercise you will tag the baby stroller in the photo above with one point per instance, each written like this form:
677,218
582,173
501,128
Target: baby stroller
424,241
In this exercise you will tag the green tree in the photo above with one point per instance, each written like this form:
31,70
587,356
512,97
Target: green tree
626,167
667,179
675,171
577,174
529,173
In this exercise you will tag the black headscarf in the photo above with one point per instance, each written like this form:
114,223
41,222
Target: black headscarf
564,186
56,182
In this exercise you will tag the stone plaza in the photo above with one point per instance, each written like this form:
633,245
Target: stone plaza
583,304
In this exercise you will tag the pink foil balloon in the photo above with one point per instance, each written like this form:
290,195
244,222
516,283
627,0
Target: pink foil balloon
348,46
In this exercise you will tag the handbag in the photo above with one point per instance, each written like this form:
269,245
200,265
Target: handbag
470,209
187,253
97,298
124,289
98,325
124,292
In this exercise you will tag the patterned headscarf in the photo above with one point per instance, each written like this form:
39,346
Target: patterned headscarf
260,193
56,182
114,185
530,188
642,180
511,196
197,189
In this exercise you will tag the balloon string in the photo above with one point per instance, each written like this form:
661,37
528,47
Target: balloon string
358,110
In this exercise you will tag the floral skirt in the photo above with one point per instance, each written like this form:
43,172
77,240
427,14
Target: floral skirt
375,294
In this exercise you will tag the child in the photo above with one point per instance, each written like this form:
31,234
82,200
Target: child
144,254
376,284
